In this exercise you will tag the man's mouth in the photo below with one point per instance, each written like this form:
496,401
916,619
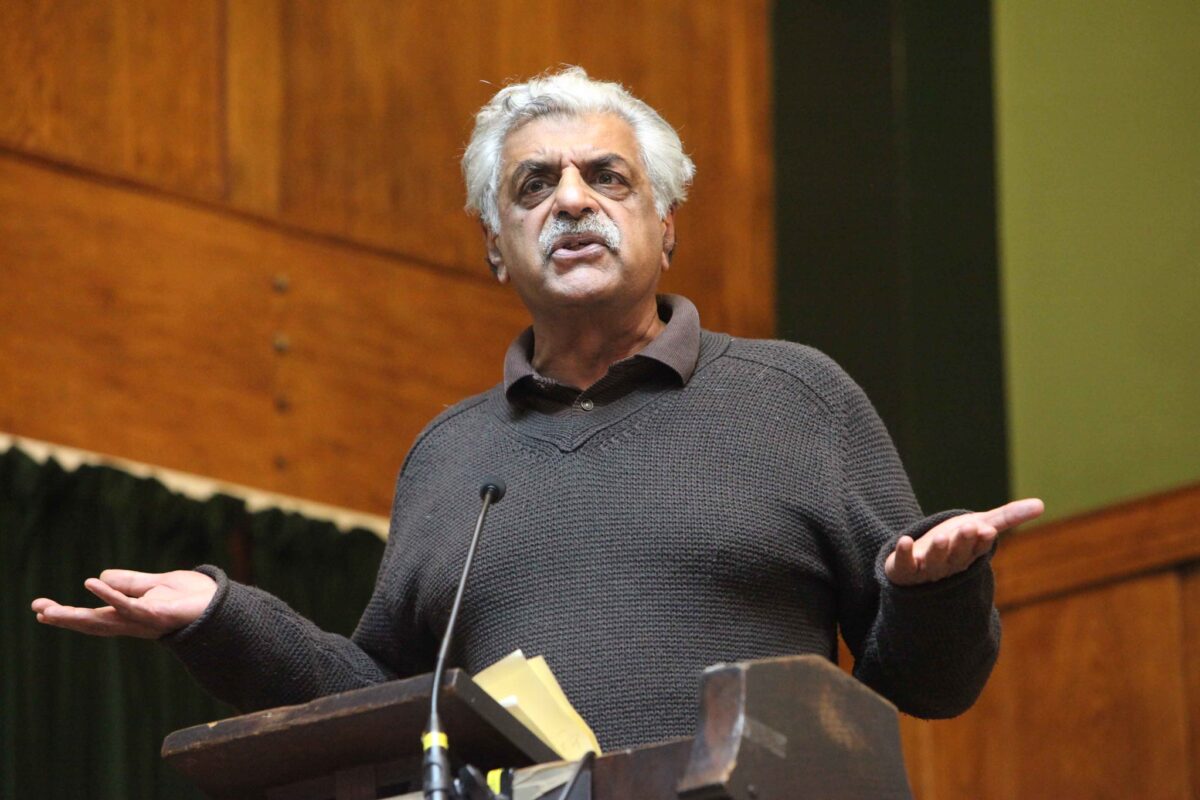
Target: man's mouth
576,243
576,248
568,242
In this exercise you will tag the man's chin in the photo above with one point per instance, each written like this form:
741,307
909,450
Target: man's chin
581,297
582,285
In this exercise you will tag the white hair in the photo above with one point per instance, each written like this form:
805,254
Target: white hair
571,93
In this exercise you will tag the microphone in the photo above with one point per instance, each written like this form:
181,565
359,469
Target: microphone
493,485
437,780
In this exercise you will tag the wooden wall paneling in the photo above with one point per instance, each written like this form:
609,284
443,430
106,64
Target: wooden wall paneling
129,326
254,84
1084,703
127,88
967,756
145,327
1115,542
377,350
1190,576
342,120
379,97
747,262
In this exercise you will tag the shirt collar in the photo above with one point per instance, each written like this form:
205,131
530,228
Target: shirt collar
677,347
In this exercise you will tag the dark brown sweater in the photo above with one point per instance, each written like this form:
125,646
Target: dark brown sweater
739,511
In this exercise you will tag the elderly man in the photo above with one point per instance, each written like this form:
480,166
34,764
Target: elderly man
677,497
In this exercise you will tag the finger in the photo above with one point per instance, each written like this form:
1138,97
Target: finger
901,566
909,567
944,555
1010,515
967,532
128,607
92,621
937,549
985,539
962,546
905,558
131,583
42,603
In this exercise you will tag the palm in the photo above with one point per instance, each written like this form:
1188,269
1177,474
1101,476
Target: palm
141,604
955,544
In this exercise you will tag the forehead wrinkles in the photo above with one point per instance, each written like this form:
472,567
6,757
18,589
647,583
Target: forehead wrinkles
557,142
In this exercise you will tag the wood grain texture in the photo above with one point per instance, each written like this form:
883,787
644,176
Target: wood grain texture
128,88
1191,668
1120,541
147,328
243,757
254,95
349,120
377,349
1084,703
321,140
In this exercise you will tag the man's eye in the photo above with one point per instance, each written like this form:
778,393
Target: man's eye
607,178
534,186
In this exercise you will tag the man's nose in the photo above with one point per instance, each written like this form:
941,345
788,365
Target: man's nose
573,197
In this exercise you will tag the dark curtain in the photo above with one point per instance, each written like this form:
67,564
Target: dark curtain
83,716
324,574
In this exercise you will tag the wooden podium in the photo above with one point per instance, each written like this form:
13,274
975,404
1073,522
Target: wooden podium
788,728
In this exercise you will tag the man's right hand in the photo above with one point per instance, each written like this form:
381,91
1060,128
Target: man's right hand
142,604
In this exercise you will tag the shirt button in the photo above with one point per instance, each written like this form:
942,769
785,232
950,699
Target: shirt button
586,405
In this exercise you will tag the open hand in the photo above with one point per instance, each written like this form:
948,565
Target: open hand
954,544
142,604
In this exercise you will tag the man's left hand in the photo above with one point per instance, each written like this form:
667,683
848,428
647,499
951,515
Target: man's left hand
953,545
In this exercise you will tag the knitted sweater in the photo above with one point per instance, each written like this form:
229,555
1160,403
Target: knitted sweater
746,513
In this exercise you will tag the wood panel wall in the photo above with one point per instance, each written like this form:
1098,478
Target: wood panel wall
231,231
1097,690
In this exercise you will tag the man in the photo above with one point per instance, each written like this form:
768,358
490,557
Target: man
676,497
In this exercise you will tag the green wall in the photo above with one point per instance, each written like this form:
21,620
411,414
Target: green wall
1098,146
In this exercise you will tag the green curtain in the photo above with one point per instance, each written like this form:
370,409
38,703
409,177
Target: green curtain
85,717
326,575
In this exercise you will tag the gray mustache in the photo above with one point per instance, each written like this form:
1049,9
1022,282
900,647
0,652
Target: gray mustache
599,224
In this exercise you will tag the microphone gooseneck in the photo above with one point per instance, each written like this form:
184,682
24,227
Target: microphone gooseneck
437,779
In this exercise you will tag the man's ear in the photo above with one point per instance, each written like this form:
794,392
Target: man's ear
668,244
494,259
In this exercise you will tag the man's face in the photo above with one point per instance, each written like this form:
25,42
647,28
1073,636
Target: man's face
578,225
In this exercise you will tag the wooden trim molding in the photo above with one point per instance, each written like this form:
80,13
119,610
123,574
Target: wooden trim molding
1151,533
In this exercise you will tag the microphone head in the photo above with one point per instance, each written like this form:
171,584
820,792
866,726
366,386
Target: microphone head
495,486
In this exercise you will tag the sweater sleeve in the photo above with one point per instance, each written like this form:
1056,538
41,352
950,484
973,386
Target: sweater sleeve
252,650
928,648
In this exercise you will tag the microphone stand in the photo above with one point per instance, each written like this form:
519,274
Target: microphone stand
437,780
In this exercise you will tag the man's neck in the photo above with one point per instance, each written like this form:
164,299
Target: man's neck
577,349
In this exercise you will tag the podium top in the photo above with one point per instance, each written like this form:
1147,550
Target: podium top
245,756
794,726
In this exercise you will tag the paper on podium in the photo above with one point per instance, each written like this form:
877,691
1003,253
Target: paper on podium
529,691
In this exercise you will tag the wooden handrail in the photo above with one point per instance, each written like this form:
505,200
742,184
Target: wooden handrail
1120,541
